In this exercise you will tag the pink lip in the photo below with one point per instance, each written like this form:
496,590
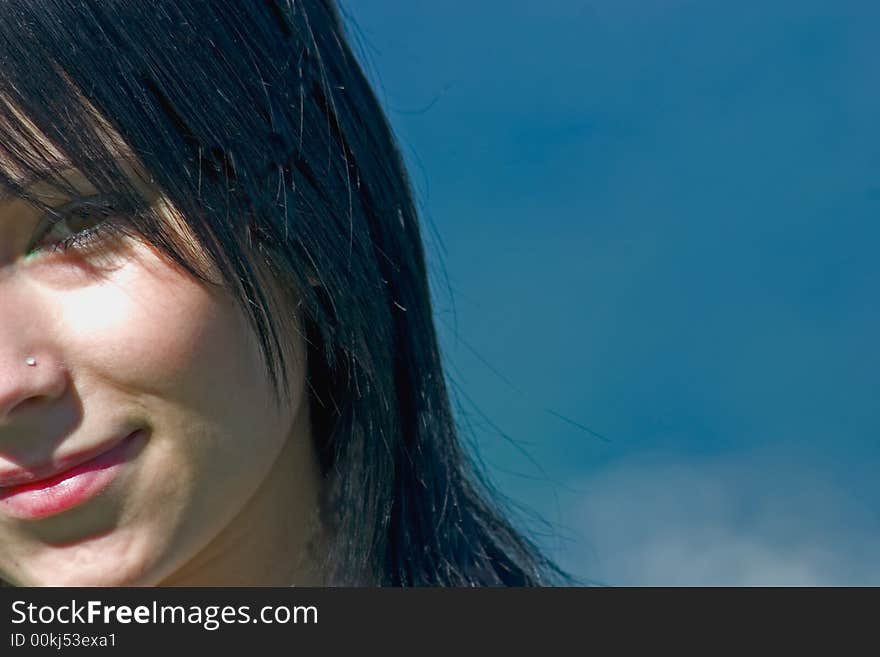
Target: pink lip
64,490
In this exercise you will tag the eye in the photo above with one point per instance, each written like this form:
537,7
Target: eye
74,226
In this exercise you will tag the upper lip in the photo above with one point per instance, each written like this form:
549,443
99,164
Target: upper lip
31,474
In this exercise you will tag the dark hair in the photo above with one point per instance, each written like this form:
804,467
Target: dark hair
258,126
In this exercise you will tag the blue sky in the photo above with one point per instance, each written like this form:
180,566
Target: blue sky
658,219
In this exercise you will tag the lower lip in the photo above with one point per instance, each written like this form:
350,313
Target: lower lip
69,489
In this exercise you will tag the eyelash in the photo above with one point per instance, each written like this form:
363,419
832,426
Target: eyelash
89,207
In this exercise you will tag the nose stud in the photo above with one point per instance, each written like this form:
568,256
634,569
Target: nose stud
31,361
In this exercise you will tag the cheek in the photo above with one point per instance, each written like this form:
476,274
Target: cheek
153,329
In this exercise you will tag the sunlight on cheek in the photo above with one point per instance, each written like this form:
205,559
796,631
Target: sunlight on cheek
137,322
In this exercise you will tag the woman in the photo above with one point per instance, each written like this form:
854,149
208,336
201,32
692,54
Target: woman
217,358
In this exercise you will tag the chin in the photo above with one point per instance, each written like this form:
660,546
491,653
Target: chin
114,575
100,563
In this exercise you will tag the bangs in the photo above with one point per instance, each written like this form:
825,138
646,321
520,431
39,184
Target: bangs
54,141
29,158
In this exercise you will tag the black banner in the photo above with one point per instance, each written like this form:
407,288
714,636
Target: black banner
271,620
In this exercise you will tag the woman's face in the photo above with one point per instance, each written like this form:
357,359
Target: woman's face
148,421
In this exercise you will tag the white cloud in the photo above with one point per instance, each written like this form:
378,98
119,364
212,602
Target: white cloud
747,520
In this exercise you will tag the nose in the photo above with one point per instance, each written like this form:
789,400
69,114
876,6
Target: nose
30,371
26,382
